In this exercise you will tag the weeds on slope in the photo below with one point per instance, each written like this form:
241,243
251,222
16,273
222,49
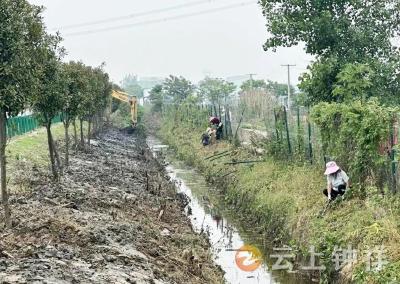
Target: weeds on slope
285,201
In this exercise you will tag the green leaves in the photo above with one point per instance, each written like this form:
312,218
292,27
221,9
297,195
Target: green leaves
351,28
21,37
131,86
354,82
157,98
215,90
178,88
352,133
253,85
339,33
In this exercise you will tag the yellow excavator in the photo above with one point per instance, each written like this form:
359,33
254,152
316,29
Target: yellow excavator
130,100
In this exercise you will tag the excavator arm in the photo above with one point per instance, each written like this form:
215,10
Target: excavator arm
132,101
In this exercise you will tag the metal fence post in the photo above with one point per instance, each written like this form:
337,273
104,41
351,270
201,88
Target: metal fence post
287,132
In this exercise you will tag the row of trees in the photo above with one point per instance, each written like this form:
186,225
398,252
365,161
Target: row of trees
176,90
32,76
271,87
213,91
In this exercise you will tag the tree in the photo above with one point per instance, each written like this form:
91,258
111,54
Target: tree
351,29
178,88
95,100
275,88
131,85
47,103
101,90
327,74
75,89
86,105
157,98
250,85
21,35
320,80
339,33
279,89
217,91
354,82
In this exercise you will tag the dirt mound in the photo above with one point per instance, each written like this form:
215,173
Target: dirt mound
114,218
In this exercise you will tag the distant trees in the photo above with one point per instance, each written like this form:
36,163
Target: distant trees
178,88
98,97
275,88
250,85
131,85
157,98
216,91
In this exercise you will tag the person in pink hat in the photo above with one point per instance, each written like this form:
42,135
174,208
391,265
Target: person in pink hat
338,181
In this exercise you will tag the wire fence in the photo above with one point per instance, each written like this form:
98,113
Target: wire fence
262,122
24,124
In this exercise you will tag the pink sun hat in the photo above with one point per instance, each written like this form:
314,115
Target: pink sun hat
331,168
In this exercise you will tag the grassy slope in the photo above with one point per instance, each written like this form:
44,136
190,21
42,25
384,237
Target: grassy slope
32,147
285,200
30,151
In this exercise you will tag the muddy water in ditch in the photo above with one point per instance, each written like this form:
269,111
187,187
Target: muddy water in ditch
226,236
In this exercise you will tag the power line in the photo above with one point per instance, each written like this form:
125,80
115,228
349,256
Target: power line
136,15
144,23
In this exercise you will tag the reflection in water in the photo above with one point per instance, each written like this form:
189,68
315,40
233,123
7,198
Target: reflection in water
205,217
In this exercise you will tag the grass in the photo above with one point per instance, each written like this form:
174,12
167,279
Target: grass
30,151
285,201
32,146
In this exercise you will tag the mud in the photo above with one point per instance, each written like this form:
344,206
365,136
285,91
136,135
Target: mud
113,218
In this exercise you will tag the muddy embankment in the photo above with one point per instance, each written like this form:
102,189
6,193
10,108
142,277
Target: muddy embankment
114,218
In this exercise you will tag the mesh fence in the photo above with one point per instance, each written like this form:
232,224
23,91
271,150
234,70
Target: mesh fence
257,116
24,124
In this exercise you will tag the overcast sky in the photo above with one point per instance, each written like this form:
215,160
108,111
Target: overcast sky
227,42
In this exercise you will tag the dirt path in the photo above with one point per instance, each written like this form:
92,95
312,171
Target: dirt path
114,218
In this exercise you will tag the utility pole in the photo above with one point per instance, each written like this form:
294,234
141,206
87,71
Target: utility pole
251,80
289,90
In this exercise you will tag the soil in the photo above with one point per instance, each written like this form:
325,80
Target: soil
113,218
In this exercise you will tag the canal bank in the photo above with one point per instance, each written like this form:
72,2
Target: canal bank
228,238
283,202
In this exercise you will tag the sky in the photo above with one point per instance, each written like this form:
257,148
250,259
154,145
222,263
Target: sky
222,43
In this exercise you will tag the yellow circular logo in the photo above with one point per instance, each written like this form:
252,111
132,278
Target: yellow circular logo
248,258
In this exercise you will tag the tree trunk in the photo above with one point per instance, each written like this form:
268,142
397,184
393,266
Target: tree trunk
75,133
82,137
57,156
89,129
51,151
66,132
4,192
95,125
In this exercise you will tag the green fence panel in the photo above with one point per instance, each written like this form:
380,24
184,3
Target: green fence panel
24,124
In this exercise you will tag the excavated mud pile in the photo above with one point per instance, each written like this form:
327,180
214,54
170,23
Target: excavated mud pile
113,218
